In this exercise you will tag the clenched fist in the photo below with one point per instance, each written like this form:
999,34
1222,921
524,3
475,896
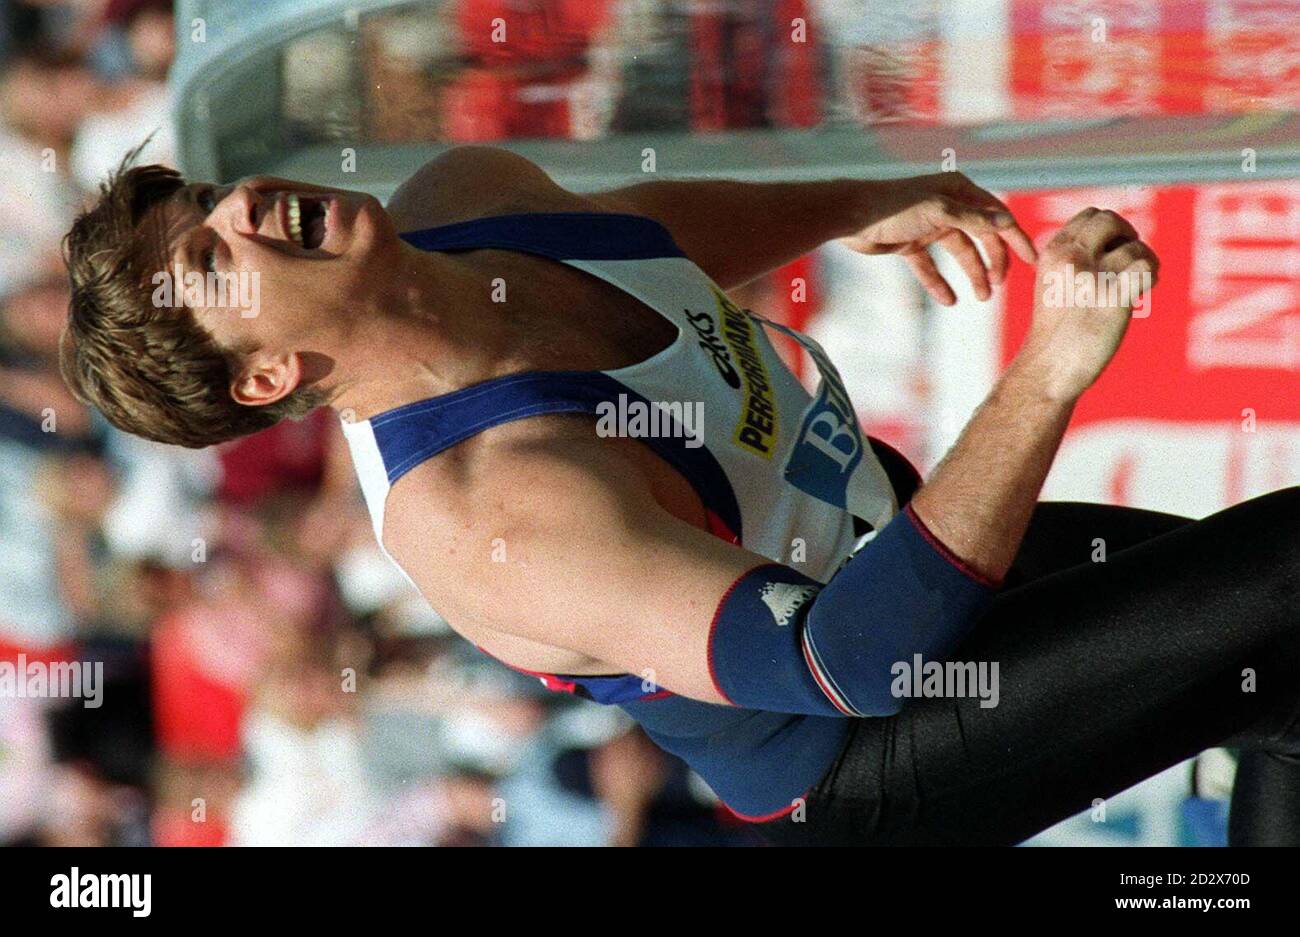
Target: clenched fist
1090,276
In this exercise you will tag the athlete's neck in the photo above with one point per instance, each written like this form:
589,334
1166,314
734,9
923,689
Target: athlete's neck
431,330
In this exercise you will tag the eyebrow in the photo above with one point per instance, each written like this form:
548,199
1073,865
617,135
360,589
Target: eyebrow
173,244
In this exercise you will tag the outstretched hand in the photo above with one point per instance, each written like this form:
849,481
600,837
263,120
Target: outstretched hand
946,208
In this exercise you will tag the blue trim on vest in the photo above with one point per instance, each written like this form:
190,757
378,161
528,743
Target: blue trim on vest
413,433
574,235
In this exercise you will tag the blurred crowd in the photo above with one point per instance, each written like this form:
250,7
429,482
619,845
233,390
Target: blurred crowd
268,677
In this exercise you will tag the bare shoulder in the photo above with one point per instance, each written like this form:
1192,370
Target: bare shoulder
473,181
463,522
544,545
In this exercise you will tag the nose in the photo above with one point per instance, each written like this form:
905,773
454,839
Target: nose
241,209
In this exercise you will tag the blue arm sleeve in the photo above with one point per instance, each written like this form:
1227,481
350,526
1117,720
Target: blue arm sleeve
782,642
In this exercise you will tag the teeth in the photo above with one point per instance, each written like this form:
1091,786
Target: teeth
295,219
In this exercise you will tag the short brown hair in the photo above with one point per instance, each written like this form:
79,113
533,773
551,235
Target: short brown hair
151,370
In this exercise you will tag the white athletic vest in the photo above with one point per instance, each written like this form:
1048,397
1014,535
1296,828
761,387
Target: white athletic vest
779,470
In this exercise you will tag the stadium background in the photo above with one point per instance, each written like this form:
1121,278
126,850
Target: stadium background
227,591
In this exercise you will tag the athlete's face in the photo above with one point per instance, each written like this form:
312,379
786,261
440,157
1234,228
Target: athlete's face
278,260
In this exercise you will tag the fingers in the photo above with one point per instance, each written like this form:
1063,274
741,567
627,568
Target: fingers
963,218
1002,220
968,192
931,279
1094,230
963,250
1011,232
999,262
1130,255
1108,242
994,220
962,224
1133,257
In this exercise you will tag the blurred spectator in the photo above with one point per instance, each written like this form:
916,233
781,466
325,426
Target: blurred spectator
37,204
150,35
104,135
269,677
45,97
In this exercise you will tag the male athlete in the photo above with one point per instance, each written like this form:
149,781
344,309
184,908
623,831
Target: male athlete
754,594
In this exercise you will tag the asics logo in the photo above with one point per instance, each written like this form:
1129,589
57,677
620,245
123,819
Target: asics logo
711,342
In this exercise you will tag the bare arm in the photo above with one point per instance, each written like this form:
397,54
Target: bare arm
572,552
736,231
979,499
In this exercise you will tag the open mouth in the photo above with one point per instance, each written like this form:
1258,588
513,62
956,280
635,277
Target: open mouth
306,220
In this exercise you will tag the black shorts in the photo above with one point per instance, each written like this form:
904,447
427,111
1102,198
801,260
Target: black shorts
1111,669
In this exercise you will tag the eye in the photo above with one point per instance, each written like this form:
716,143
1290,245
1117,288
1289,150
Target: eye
210,260
207,199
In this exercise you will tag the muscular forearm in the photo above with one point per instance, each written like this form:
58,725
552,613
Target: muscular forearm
736,231
979,499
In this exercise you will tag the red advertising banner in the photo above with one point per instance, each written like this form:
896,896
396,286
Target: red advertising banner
1129,57
1205,391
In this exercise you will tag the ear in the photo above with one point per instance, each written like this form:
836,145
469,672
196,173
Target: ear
265,379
